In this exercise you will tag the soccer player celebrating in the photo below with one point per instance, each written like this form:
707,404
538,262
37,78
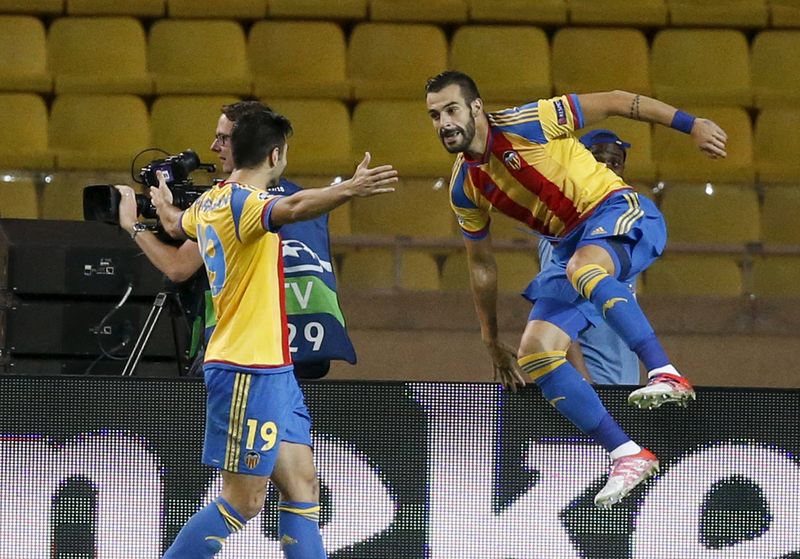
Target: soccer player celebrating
257,425
525,162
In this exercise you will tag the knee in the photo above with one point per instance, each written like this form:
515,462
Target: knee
248,501
302,487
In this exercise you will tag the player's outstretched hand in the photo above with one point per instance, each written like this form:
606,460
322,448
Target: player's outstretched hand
710,138
506,368
161,195
377,180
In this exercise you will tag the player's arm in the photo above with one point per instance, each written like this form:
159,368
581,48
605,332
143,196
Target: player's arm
483,283
707,135
314,202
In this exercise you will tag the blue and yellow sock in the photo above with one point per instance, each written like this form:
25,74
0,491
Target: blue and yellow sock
205,532
298,526
619,308
567,391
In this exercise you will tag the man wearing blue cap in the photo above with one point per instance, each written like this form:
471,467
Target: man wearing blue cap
601,353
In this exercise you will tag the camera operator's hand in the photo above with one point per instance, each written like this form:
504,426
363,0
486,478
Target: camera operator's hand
127,206
161,195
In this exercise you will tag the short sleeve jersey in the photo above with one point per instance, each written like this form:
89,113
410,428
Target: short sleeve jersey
533,170
242,256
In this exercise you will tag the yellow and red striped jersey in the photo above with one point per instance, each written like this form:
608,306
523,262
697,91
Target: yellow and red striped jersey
533,170
243,260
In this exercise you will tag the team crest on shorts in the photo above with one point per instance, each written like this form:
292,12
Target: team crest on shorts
511,159
252,459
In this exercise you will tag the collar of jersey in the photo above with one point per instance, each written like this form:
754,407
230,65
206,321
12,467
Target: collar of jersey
487,152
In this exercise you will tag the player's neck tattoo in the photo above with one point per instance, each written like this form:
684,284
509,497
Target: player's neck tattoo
635,108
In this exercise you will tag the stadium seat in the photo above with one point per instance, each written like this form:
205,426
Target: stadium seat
785,13
18,199
695,275
584,62
198,57
339,221
718,13
514,271
23,132
82,49
618,12
415,209
23,55
776,276
298,59
393,61
701,67
400,133
43,7
777,144
63,198
443,11
98,132
241,9
779,223
728,215
506,228
678,158
776,71
484,52
376,268
320,144
318,9
187,122
639,163
519,11
140,8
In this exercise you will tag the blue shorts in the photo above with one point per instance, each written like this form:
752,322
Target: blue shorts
248,416
629,227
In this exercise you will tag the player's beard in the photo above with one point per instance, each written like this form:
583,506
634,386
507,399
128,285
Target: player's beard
467,135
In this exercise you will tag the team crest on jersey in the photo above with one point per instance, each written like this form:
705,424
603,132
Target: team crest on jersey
263,195
561,112
252,459
511,159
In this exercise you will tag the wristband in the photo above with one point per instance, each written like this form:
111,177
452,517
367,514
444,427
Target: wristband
682,121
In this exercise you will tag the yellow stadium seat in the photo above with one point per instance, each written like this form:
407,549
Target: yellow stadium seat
776,276
718,13
728,215
785,13
82,49
777,144
776,70
418,10
618,12
415,209
695,275
510,63
298,59
320,143
701,67
678,158
63,198
187,122
455,272
23,55
23,141
339,221
318,9
382,268
49,7
506,228
393,61
18,199
187,57
242,9
514,271
779,223
519,11
140,8
400,133
639,163
98,131
583,63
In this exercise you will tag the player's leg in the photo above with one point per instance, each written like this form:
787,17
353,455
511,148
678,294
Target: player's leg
542,355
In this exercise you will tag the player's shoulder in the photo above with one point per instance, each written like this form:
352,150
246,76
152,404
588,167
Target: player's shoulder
504,116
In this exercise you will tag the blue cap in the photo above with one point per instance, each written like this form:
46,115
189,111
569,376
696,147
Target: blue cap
602,136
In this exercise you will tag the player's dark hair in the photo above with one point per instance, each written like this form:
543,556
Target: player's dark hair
255,135
234,111
449,77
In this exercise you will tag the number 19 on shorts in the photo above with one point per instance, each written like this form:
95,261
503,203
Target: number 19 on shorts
267,434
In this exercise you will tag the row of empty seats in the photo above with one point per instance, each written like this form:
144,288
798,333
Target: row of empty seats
103,132
310,59
646,13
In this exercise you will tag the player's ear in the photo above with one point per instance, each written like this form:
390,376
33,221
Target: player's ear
477,106
274,156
